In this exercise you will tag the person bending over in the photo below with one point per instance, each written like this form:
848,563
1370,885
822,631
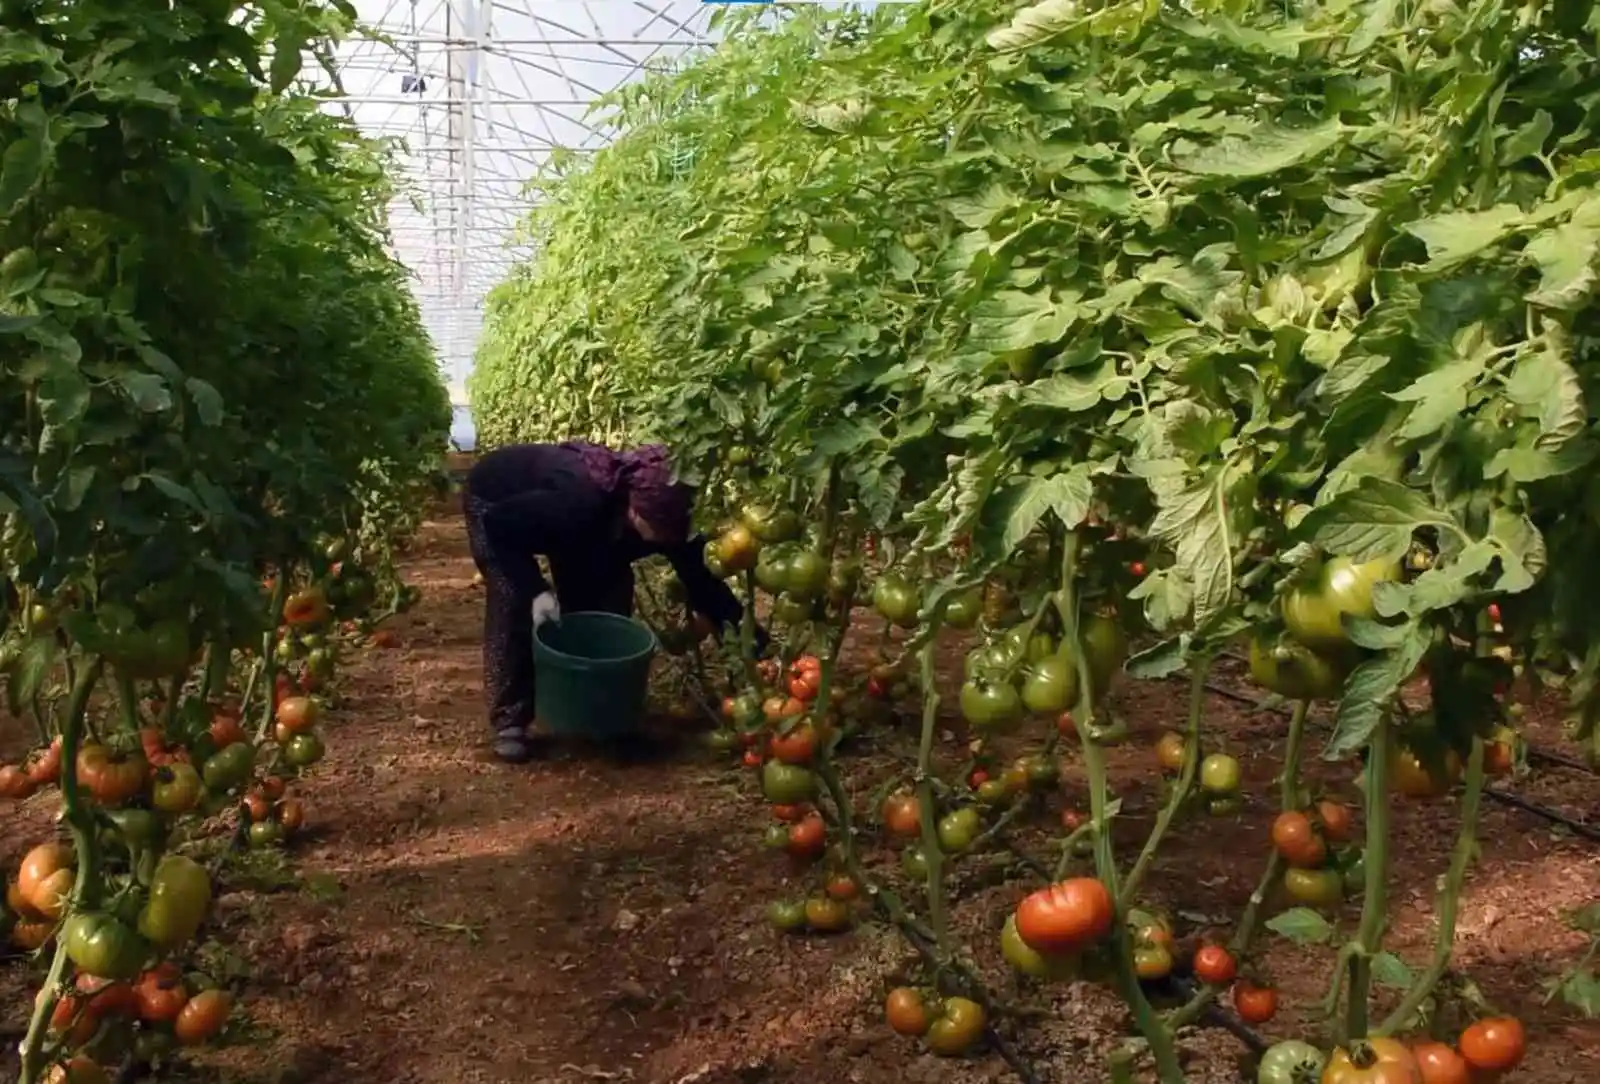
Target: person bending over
591,512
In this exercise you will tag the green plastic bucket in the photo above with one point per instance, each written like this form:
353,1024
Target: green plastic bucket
592,671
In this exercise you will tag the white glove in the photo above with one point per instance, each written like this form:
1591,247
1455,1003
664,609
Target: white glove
546,608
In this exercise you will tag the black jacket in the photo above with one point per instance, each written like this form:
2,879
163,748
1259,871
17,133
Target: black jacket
539,499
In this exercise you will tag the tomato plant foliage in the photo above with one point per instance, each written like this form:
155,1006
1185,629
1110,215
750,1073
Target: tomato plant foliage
1220,269
214,375
1255,321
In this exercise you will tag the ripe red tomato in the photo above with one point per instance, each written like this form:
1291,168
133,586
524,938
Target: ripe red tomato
905,1011
1255,1004
977,778
1297,840
1137,568
1215,965
1065,916
1494,1045
798,746
842,887
1439,1064
805,685
752,758
1338,823
901,815
808,836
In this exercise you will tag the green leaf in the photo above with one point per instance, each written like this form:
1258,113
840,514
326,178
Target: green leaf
1348,376
1367,692
1527,141
1586,919
1193,523
22,166
1524,557
206,399
1301,925
174,489
1013,320
978,211
1391,971
286,56
1014,510
1159,660
1376,518
1078,391
1565,257
1267,150
1379,21
28,674
1438,588
1195,430
1581,990
1440,397
1546,387
1457,236
148,391
1521,464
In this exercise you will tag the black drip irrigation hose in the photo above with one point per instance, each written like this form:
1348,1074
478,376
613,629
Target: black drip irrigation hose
1504,797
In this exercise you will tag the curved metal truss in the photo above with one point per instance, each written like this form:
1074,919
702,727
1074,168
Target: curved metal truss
480,91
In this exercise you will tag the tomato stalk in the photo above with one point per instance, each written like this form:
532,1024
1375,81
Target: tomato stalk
215,666
1369,933
747,632
1201,668
1162,1047
269,656
128,701
1449,898
86,886
1064,863
926,817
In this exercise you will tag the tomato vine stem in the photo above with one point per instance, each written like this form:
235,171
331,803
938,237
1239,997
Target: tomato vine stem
1162,1047
86,886
926,815
269,643
1369,933
1449,898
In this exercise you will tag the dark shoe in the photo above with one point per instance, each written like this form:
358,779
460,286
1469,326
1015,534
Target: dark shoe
513,747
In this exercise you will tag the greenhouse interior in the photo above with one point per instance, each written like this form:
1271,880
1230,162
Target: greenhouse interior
752,542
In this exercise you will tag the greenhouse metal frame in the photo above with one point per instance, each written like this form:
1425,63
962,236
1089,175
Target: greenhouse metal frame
479,93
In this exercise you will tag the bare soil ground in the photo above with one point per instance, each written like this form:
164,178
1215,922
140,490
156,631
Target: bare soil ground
578,920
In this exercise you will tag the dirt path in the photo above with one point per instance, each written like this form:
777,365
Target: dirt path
574,921
568,921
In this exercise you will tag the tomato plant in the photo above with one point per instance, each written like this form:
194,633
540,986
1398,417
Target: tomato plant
1201,353
231,416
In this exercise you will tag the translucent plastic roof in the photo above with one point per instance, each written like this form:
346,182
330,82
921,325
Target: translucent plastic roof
481,91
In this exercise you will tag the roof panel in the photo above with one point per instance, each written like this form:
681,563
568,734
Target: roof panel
480,93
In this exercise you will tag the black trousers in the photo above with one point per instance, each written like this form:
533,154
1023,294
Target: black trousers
511,577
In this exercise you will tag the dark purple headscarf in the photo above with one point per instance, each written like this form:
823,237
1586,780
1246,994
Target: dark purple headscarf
645,475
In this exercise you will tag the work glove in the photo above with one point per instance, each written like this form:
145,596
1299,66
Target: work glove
546,608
